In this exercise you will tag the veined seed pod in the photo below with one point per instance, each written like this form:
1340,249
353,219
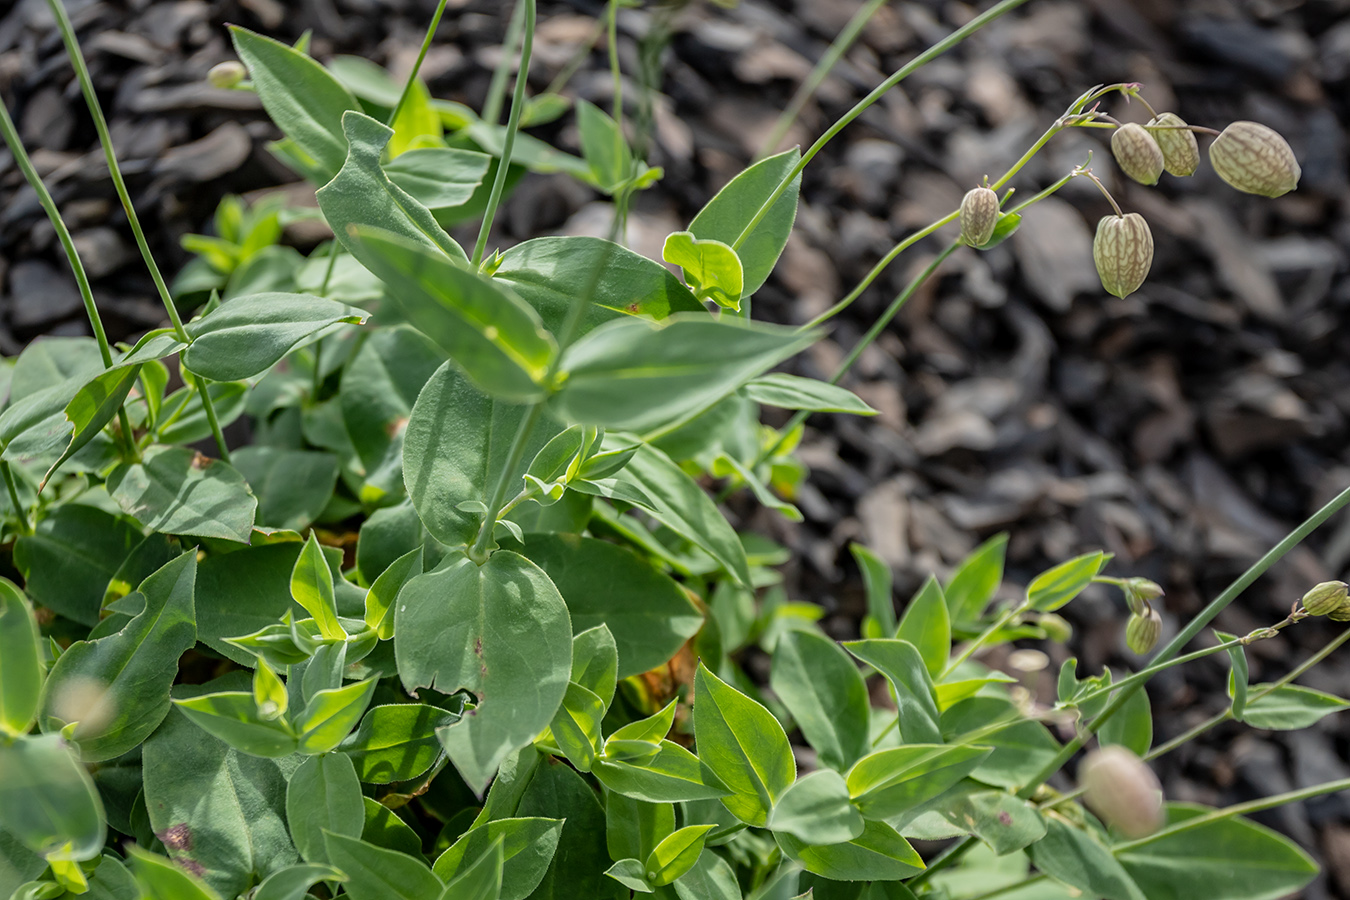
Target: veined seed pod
226,74
1123,791
1255,159
979,216
1181,152
1340,613
1137,153
1142,631
1123,252
1325,598
1139,591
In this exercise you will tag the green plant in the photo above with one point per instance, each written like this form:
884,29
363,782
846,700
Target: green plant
473,676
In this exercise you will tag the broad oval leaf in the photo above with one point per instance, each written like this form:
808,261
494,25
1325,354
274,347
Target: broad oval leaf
528,845
676,854
438,177
294,882
671,775
910,682
1289,707
397,741
1055,587
374,873
817,809
823,689
176,490
878,854
323,795
246,336
21,668
48,800
891,782
1072,856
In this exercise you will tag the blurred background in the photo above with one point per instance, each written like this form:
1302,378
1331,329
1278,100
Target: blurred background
1185,428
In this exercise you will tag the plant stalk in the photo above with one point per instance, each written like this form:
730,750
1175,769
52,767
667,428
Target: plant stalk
13,489
417,66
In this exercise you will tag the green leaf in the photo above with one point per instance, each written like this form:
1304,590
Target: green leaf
293,487
877,581
888,783
1055,587
549,273
878,854
380,598
676,854
159,879
577,869
48,800
374,873
312,588
21,668
744,745
323,795
112,881
482,880
711,268
489,331
454,450
926,626
817,809
183,417
631,873
1075,858
794,392
672,775
331,714
1231,859
822,688
685,508
301,97
500,630
175,490
910,682
711,878
648,614
1020,751
417,123
117,687
595,660
603,147
1132,725
527,846
362,195
1290,707
973,584
385,829
652,729
438,177
637,375
71,556
1237,676
728,213
219,812
233,717
93,407
633,828
294,882
246,336
396,742
576,726
1003,821
243,592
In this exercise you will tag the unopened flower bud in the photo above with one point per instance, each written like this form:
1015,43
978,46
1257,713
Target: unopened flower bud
1139,592
1137,153
979,216
227,74
1142,631
1325,598
1340,613
1056,628
1255,159
1123,252
1181,152
1123,791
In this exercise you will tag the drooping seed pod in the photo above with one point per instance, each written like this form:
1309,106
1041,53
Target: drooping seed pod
1121,789
1181,152
1340,613
1325,598
1142,631
226,74
1139,591
1255,159
1123,252
1056,627
979,216
1137,153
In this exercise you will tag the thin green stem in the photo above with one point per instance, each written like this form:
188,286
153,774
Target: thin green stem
478,552
1009,888
818,75
969,650
417,66
14,497
72,45
877,93
512,126
496,95
615,74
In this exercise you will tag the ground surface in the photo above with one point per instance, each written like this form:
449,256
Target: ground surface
1185,428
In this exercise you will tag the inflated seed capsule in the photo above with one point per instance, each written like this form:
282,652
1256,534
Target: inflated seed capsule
1121,789
1123,252
1340,613
1056,628
979,215
1137,153
226,74
1142,631
1325,598
1255,159
1181,152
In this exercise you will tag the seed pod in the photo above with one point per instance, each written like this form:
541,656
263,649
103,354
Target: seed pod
1255,159
226,74
1142,631
1340,613
1123,252
1137,153
1325,598
1123,791
1181,152
1056,628
1139,591
979,216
